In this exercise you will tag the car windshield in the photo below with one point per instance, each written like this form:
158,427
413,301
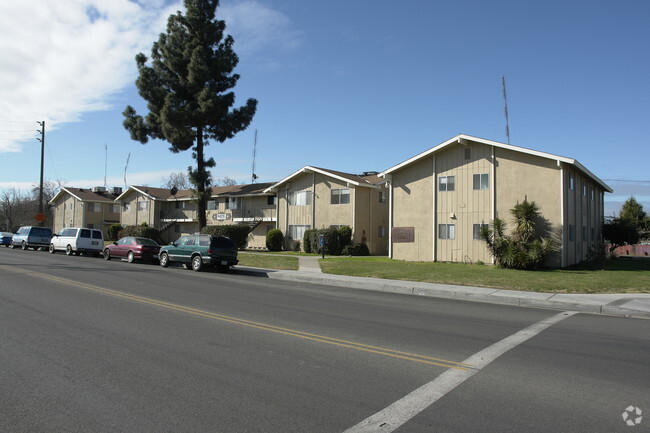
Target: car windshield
145,241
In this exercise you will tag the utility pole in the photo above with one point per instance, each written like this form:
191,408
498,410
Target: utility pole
40,188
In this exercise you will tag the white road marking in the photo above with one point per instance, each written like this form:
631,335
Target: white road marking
398,413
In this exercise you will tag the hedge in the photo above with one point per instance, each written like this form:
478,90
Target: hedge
140,231
237,232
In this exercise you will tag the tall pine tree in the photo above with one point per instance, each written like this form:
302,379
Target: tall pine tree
187,87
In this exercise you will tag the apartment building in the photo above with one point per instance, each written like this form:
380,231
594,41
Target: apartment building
315,198
85,207
440,198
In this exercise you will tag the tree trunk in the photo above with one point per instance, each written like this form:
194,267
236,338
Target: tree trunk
200,187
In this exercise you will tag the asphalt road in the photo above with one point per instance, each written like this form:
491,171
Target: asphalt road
93,346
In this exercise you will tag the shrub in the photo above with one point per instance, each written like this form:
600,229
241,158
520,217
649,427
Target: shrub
356,250
345,236
295,246
307,243
237,232
114,231
331,241
141,231
274,240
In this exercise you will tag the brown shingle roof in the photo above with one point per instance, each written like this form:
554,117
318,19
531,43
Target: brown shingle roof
87,194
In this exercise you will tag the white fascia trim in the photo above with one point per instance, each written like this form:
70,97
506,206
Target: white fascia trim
463,137
310,169
60,193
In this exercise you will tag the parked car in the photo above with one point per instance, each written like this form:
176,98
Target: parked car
5,238
76,240
199,250
133,248
32,237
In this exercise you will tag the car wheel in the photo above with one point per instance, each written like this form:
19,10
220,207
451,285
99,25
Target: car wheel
107,254
68,250
164,260
24,246
130,257
52,249
197,263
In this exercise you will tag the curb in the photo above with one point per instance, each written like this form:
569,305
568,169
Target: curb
628,305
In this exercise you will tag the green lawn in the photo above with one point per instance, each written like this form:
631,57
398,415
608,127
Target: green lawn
622,276
270,261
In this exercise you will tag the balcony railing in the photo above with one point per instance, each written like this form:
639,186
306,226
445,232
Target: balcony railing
178,215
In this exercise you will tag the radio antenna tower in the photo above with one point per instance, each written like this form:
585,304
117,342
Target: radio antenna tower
254,176
505,109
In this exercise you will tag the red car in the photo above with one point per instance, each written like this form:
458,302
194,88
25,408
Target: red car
133,249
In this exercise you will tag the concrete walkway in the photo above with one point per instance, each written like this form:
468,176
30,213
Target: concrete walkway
636,305
309,264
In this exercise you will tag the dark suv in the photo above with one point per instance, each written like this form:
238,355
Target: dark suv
197,250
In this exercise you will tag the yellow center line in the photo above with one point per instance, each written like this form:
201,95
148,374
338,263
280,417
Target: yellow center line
263,326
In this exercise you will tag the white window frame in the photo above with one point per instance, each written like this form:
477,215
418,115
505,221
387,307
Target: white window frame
444,183
300,198
481,181
476,229
338,196
297,231
447,231
143,206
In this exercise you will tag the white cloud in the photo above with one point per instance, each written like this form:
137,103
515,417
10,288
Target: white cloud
65,58
256,27
61,59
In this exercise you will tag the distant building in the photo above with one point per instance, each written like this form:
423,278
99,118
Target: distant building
315,198
440,198
85,207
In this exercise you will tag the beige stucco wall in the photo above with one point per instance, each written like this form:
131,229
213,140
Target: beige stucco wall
582,209
520,176
412,196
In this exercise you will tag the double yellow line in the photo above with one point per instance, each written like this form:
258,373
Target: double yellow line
251,324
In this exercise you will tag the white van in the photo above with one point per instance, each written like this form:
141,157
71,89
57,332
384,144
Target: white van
74,240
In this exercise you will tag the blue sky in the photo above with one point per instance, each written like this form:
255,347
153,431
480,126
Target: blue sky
354,85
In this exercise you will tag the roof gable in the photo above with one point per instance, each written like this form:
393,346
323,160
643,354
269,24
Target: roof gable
350,179
463,138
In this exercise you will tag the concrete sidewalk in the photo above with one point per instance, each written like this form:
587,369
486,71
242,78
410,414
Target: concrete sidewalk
637,305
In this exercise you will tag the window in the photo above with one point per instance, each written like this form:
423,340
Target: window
233,203
94,207
299,198
126,207
97,234
446,231
468,153
481,181
593,234
115,208
446,183
572,233
593,194
85,233
212,204
477,231
270,200
382,231
297,231
584,234
180,204
382,197
572,182
143,205
584,190
340,196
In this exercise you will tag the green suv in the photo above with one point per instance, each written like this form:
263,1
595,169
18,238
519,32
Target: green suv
197,250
